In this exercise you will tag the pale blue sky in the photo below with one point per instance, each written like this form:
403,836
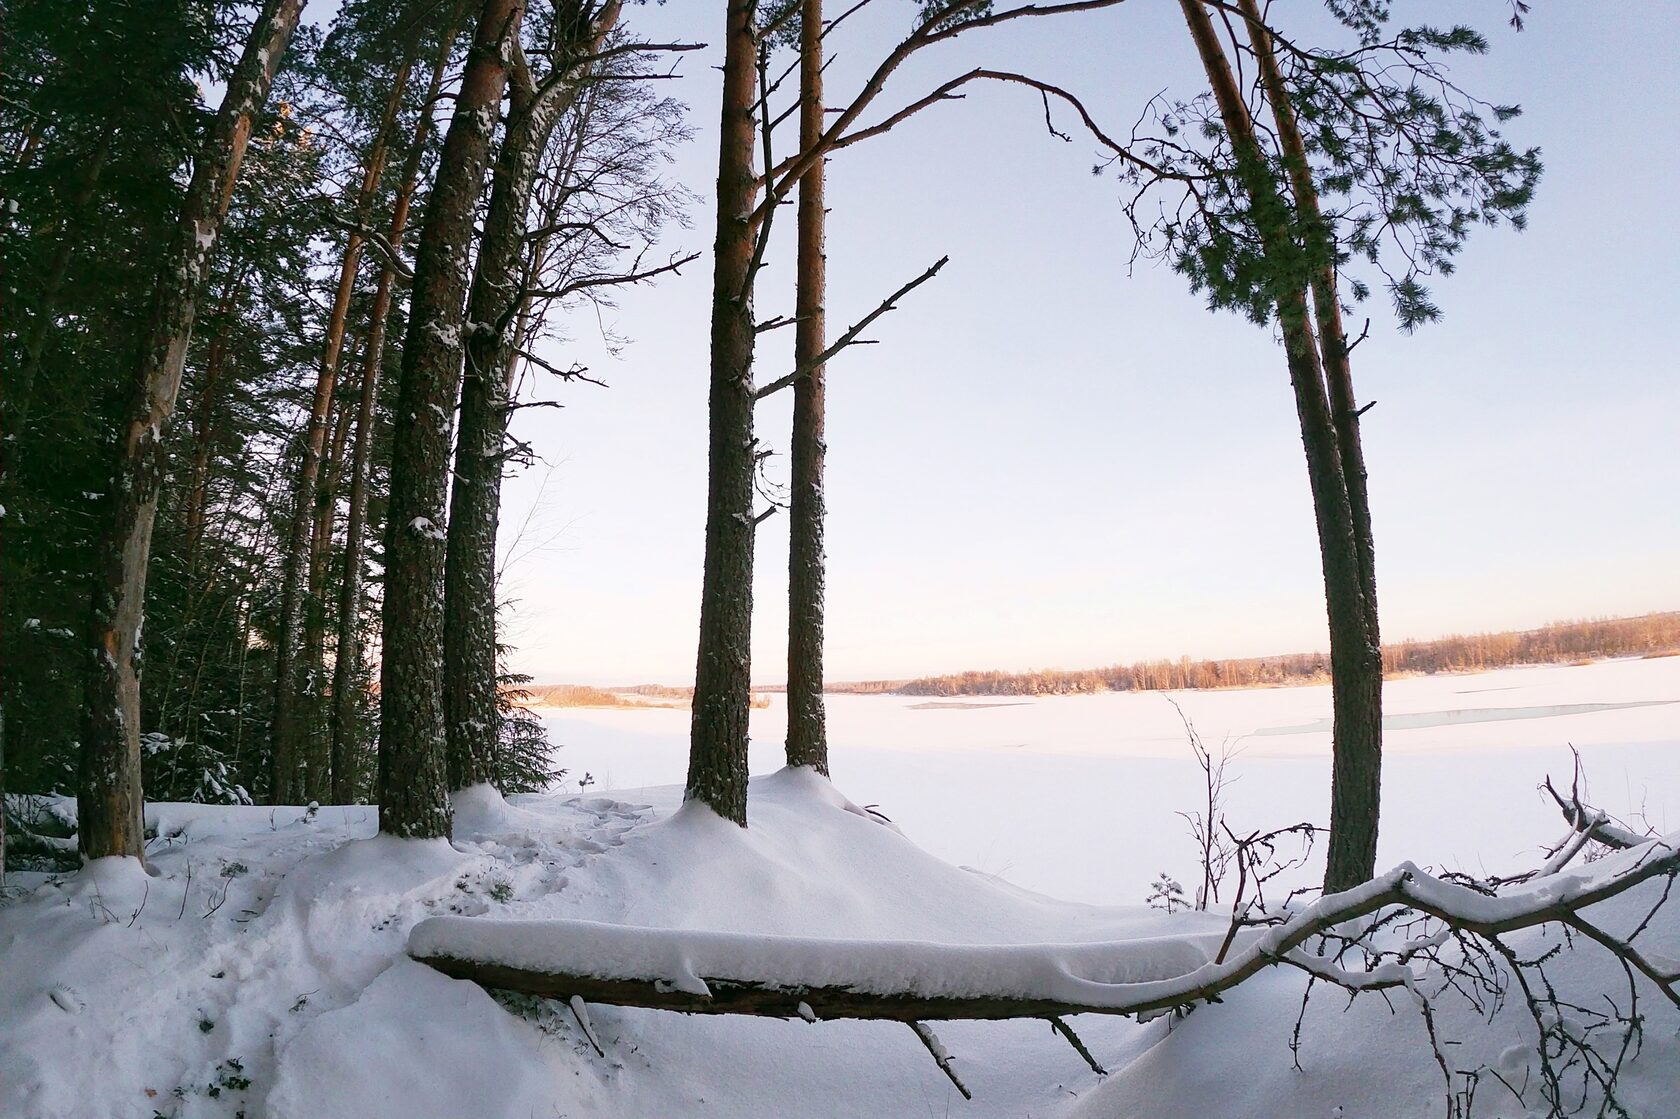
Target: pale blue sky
1051,462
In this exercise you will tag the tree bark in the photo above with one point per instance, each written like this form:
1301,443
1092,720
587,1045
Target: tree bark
108,795
1327,308
413,795
807,735
292,691
1355,662
203,427
348,649
717,759
495,310
317,767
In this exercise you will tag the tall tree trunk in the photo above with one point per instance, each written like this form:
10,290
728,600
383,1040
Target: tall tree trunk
348,654
317,768
413,796
717,750
292,720
1327,308
807,735
496,307
1355,664
108,794
203,430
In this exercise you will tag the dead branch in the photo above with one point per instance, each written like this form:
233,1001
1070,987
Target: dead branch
613,280
575,373
851,336
1406,891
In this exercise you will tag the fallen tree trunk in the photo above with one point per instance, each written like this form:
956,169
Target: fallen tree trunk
785,977
755,999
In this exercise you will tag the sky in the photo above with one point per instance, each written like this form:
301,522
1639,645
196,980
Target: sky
1054,457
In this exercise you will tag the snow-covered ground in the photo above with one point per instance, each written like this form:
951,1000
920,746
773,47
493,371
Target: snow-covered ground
1078,796
261,972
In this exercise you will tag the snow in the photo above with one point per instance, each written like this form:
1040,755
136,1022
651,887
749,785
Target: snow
1048,791
425,526
262,967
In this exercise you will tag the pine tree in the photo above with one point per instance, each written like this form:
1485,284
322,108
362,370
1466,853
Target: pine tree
413,798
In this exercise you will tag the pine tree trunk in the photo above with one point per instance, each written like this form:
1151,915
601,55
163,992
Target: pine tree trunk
203,429
495,309
348,656
472,721
1355,663
1327,309
807,736
717,759
108,795
413,795
317,767
292,672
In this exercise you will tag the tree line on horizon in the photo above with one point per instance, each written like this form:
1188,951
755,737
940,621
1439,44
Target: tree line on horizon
1558,643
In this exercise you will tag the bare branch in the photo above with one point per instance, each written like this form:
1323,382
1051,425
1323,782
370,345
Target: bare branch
851,336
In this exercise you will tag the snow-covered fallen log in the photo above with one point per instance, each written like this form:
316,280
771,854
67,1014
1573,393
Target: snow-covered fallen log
732,973
797,977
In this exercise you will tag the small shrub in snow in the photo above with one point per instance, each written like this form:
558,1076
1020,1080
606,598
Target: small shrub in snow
525,756
1166,893
184,769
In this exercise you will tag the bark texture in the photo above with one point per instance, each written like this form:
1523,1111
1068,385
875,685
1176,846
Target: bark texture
348,657
495,311
1327,308
1355,655
109,798
1354,860
413,795
717,758
807,735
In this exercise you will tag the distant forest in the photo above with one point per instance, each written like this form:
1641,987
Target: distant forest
1559,643
1650,635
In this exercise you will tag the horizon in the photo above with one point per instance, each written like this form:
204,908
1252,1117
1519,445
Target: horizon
759,685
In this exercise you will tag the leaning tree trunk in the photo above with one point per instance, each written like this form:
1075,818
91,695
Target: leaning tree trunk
347,654
413,796
108,794
717,758
1354,864
1355,663
1327,308
292,700
807,735
471,716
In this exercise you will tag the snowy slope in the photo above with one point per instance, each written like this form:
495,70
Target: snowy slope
262,972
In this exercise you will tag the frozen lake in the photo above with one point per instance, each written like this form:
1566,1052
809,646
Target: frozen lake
1076,796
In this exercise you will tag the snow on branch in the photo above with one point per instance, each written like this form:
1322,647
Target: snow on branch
738,973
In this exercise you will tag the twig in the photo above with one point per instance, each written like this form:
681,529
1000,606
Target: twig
851,335
943,1059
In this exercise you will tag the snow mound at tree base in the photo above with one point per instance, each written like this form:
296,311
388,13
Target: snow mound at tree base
262,970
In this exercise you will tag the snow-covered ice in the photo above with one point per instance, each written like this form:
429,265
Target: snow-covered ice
262,969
